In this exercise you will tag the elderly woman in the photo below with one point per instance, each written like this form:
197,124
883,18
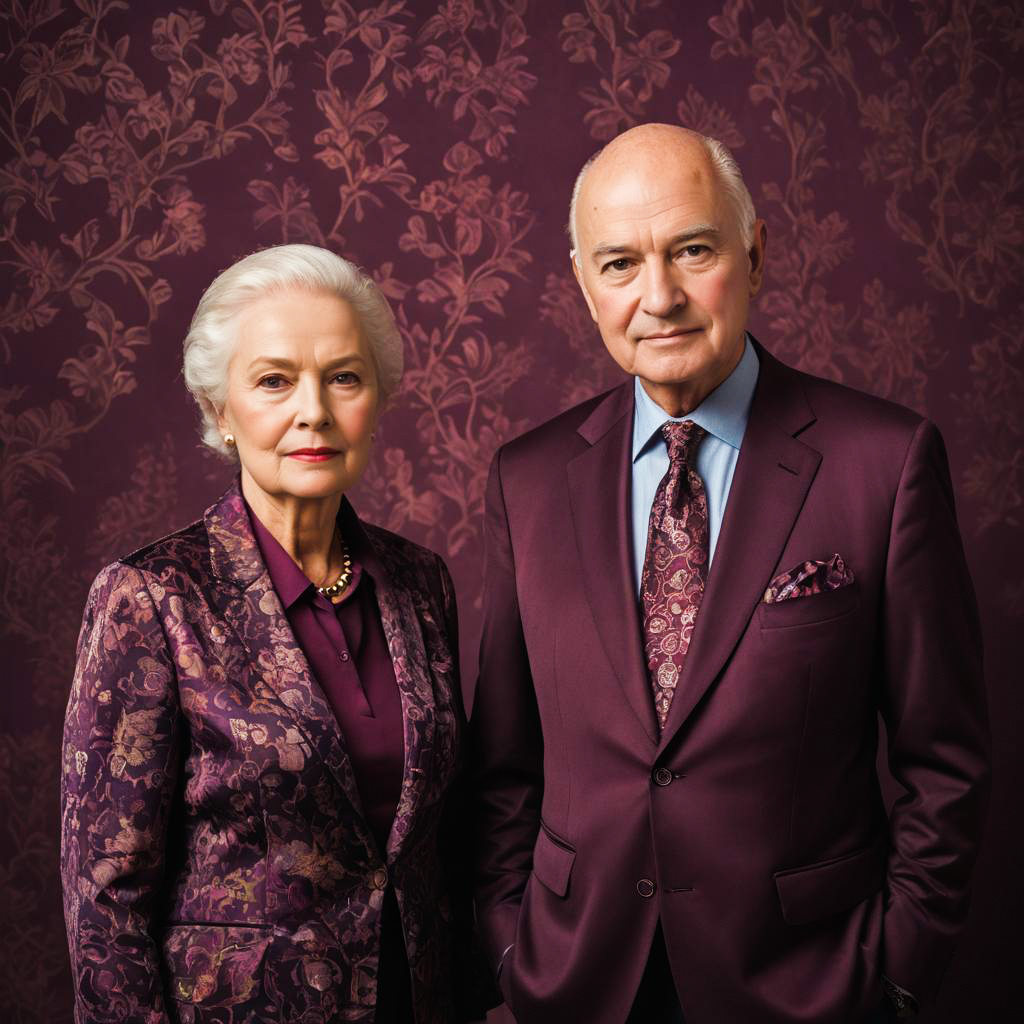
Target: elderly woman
263,737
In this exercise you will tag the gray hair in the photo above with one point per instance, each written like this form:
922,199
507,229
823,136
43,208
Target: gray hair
212,336
729,176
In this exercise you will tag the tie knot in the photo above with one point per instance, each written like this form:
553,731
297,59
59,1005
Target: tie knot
682,440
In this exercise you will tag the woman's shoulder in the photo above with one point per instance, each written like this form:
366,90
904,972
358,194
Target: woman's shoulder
397,551
185,553
414,568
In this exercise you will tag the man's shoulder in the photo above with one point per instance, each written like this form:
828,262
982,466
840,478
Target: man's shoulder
840,410
560,437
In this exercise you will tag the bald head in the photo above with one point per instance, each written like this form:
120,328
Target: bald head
653,147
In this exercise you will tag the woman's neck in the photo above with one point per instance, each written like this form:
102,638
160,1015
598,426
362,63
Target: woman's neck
304,527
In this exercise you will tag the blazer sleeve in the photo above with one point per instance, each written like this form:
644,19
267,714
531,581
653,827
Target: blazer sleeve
933,704
506,742
119,771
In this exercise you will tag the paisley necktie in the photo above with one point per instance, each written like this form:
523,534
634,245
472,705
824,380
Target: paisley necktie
676,563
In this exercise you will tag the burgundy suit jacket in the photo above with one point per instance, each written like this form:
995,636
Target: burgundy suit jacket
217,864
754,826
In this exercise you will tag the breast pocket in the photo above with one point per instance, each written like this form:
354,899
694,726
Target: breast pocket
796,612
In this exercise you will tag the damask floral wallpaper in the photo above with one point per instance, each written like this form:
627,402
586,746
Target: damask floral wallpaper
145,146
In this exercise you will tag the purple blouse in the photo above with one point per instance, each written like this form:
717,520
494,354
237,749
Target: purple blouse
348,653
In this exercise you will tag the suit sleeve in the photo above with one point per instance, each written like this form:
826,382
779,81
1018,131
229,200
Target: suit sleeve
505,739
933,704
119,771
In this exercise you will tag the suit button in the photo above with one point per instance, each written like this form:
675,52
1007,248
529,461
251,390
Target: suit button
662,777
646,888
380,878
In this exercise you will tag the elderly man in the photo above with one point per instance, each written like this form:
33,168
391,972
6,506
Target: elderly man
701,589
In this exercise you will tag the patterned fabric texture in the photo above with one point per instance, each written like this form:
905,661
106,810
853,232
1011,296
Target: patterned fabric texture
146,146
216,862
676,563
812,577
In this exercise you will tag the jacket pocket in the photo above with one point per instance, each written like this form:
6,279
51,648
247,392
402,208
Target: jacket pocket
215,965
819,890
804,611
552,861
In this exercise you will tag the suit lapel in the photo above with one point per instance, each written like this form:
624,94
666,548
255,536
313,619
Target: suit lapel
404,635
274,662
599,494
773,475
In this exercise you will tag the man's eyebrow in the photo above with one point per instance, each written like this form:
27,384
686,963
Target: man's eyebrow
616,249
695,232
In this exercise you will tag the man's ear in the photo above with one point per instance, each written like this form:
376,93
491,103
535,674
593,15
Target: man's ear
756,256
578,274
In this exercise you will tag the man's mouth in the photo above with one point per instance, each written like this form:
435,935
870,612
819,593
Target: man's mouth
675,332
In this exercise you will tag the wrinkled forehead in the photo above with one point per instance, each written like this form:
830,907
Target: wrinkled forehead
651,187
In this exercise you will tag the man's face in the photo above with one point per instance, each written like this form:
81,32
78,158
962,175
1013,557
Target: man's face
663,267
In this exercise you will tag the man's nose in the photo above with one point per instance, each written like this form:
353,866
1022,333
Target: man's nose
663,293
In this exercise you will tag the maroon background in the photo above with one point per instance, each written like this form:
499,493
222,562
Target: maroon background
145,150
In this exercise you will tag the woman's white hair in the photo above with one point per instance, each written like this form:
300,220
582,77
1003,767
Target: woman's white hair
729,176
212,336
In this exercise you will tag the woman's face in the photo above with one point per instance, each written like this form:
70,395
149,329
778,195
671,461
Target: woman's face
302,396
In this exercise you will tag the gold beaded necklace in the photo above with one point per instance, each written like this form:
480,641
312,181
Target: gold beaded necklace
334,591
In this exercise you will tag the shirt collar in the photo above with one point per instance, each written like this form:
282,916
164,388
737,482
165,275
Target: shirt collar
723,413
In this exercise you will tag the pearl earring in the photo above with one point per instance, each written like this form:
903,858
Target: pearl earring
229,440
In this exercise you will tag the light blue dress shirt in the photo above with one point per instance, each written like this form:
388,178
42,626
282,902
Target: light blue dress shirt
723,414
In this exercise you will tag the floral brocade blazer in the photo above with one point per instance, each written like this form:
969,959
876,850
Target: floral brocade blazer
217,866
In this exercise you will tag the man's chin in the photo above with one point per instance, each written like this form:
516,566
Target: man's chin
671,372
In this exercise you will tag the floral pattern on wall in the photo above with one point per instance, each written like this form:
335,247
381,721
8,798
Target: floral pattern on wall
144,147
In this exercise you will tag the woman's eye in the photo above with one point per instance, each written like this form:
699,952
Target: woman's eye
346,377
272,382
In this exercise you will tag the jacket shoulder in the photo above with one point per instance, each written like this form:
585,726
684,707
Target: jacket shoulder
187,548
411,566
398,552
832,400
866,433
871,438
561,434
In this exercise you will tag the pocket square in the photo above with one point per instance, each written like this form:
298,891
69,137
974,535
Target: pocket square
813,577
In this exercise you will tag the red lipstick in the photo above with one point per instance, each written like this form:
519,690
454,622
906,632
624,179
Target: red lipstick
313,454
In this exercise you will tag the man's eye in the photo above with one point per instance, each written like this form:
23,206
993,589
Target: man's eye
618,265
694,251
